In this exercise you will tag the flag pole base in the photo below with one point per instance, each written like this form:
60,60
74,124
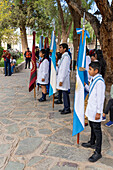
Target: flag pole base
78,135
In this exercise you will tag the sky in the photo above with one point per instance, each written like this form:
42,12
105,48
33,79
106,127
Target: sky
94,7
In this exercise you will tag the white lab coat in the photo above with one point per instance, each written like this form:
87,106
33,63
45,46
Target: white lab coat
96,100
43,72
64,73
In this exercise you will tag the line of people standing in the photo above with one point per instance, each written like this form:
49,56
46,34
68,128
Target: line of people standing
63,75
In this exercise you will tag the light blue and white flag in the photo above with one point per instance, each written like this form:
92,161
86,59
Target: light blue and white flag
41,42
52,88
78,115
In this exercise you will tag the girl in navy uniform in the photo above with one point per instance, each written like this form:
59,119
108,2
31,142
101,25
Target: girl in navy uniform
43,74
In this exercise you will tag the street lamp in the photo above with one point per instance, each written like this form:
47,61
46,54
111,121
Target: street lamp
97,13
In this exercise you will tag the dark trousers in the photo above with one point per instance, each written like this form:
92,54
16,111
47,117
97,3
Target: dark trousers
60,95
96,135
108,108
27,62
7,64
66,100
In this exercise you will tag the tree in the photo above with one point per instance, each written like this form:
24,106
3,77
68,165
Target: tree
5,30
64,19
103,30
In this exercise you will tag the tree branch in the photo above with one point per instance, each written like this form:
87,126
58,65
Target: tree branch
112,4
61,14
89,17
104,7
69,29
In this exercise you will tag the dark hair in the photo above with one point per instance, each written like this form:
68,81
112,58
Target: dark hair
43,51
58,55
95,65
87,51
102,62
36,47
47,53
27,48
64,45
93,54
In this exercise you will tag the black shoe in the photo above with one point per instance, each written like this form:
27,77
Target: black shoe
56,97
61,110
95,157
58,102
41,100
88,145
65,112
25,67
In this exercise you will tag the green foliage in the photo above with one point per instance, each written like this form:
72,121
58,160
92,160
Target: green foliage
89,28
1,52
21,59
7,34
87,4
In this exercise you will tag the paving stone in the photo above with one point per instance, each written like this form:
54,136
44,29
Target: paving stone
110,130
12,129
9,138
31,131
93,168
107,161
2,160
45,131
69,153
63,136
109,152
14,166
4,148
44,164
105,141
34,160
65,166
21,112
23,133
28,145
54,126
6,121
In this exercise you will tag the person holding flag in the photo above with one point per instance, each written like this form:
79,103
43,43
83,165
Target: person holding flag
94,109
81,77
43,74
33,75
52,87
63,80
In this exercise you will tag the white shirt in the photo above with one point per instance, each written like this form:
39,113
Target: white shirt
64,72
13,61
43,72
96,100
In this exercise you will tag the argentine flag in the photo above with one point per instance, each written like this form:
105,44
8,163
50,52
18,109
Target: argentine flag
52,88
41,42
78,115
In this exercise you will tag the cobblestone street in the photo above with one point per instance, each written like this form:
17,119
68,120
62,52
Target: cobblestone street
33,136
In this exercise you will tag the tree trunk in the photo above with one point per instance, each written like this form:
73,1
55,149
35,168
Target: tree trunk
106,41
103,31
59,38
23,39
65,34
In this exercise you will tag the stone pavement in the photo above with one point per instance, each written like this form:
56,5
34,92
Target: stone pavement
33,136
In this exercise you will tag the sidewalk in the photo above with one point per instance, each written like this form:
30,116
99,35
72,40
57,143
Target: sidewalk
33,136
